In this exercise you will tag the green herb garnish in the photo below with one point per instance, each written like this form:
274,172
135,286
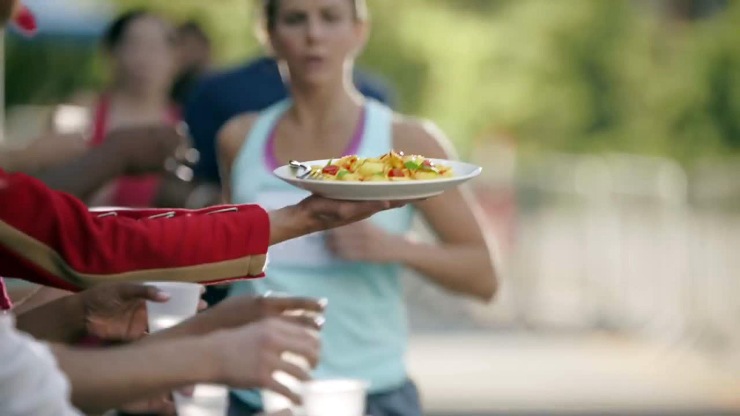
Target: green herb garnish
412,166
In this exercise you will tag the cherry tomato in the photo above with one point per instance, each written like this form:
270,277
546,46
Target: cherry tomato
396,173
330,170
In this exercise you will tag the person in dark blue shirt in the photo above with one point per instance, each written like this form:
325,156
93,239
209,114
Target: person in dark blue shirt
249,88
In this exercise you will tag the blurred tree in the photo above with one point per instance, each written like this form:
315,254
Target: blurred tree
45,71
230,23
571,75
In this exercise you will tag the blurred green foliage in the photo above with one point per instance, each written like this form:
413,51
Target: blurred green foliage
567,75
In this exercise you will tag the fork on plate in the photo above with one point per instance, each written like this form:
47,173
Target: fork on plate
308,172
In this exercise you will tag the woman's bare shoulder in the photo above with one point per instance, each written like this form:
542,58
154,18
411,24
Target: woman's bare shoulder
422,137
233,134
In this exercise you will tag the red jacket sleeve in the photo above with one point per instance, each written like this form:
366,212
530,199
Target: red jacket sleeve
51,238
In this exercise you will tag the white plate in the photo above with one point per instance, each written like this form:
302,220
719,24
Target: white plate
380,191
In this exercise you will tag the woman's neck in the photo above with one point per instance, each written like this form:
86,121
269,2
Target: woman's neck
140,99
321,108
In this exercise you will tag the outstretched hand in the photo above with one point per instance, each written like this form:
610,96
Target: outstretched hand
317,213
238,311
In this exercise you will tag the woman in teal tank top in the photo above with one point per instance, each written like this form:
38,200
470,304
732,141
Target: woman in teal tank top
357,268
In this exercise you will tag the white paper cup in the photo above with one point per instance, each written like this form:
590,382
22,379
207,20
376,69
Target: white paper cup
334,397
275,402
207,400
183,304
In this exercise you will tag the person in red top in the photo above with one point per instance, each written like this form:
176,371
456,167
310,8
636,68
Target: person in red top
140,47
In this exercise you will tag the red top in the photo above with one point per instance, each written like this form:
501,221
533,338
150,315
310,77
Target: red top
51,238
129,191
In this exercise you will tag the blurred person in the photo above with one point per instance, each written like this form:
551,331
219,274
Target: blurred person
33,385
194,56
357,268
140,47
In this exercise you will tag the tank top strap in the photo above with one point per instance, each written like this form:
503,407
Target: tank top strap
102,110
173,114
100,120
378,134
249,166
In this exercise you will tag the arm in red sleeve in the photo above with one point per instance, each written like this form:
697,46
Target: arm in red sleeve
51,238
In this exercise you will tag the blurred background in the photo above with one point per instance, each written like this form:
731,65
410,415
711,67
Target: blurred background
609,133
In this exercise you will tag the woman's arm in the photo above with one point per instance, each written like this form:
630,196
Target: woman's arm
462,261
117,312
245,357
42,153
135,372
130,150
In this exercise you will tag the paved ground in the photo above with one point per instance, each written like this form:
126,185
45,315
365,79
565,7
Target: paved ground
524,374
482,361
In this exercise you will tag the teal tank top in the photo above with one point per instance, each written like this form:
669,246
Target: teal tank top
365,333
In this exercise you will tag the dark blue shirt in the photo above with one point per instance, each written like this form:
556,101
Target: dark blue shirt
250,88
